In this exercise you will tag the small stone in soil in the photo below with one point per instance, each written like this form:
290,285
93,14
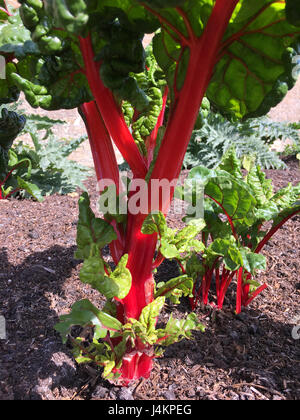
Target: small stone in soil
125,394
169,395
33,234
99,393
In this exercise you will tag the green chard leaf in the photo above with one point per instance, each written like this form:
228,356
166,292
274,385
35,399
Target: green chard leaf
32,189
68,14
92,233
177,330
15,38
122,277
117,284
231,194
259,46
228,250
252,261
150,313
231,164
145,327
175,288
83,314
173,243
262,188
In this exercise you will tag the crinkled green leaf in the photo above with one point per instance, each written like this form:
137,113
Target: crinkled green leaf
84,313
121,276
175,288
145,326
15,38
231,194
149,314
286,197
252,261
177,330
8,91
173,243
122,25
30,188
11,125
147,120
68,14
117,285
280,205
92,233
262,188
131,13
255,70
60,89
228,250
231,164
49,64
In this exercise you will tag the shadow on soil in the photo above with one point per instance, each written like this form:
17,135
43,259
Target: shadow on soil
33,360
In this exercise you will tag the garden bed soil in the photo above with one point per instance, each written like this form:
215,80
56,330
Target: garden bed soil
252,356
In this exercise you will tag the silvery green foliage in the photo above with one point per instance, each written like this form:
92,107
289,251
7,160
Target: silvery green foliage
253,137
51,170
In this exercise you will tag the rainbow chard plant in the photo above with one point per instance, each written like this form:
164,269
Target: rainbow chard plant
88,54
242,213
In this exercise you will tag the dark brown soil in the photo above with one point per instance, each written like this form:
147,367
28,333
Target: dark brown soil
251,356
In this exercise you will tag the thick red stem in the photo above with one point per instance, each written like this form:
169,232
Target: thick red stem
105,161
223,287
254,295
158,261
111,112
186,107
140,249
273,231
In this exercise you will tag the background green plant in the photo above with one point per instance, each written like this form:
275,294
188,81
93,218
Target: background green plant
51,170
215,135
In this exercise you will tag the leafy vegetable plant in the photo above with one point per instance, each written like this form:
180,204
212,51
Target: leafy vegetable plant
89,54
11,124
52,169
44,168
236,210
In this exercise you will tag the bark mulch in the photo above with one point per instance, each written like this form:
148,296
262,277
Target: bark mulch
252,356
